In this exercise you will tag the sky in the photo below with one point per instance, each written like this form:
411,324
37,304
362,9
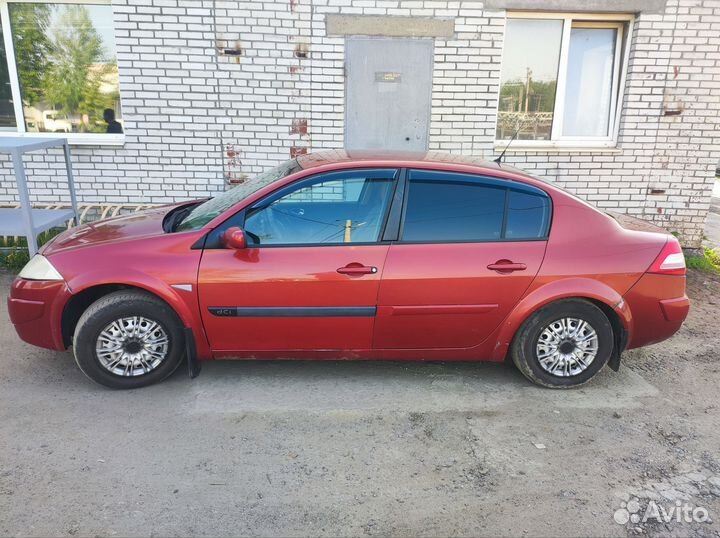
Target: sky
533,43
101,17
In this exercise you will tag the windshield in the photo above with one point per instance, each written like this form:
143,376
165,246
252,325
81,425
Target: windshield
207,211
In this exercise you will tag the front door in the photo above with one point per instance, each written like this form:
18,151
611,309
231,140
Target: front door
469,248
309,278
388,83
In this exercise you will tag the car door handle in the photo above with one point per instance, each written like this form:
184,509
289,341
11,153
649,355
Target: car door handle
506,266
357,269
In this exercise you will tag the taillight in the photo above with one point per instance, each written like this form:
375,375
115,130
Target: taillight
670,261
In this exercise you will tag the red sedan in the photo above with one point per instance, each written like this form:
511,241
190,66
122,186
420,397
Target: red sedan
358,256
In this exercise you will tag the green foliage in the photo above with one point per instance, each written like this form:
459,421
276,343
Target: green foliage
14,260
93,102
14,254
709,261
62,62
11,242
32,45
541,96
76,47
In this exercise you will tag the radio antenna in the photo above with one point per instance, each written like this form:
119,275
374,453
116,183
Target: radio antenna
514,136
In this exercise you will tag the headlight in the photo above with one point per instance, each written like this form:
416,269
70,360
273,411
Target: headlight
39,268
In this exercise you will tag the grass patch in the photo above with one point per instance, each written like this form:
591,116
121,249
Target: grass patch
709,261
14,260
14,253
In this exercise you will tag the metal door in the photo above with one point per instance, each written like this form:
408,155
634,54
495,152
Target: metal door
388,83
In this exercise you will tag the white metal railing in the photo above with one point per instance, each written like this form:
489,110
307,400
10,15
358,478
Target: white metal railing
88,212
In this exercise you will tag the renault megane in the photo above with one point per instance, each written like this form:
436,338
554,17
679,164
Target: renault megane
358,256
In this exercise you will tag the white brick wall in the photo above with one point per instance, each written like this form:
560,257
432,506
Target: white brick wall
195,118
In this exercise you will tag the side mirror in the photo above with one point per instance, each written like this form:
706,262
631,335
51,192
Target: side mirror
234,237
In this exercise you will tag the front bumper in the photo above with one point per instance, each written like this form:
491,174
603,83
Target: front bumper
35,308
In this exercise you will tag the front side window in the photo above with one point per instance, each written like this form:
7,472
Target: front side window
214,207
336,208
452,207
560,78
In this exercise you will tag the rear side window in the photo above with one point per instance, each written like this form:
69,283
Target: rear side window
452,207
444,207
528,215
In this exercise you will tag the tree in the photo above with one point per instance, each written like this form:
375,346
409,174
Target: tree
76,47
33,48
541,96
93,101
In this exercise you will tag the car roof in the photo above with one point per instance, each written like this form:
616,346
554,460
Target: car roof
406,159
340,159
338,156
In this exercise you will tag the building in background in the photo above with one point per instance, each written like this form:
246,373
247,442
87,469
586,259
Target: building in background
616,101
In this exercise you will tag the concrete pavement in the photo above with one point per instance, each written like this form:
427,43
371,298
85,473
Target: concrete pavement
360,448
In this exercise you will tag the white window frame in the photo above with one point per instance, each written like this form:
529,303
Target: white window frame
75,139
623,22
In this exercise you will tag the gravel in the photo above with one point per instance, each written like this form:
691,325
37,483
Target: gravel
364,448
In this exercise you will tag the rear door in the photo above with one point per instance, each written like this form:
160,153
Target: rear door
309,278
469,246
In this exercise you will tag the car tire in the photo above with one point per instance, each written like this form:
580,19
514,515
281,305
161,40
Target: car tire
128,339
553,348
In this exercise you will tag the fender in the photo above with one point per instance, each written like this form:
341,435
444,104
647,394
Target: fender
552,291
182,302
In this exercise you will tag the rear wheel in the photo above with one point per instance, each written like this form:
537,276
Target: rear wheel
128,339
564,344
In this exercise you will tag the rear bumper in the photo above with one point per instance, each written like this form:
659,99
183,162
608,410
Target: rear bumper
675,309
35,309
659,306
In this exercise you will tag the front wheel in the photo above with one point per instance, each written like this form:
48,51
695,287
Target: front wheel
128,339
564,344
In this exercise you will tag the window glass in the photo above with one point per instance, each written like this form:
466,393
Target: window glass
214,207
66,62
531,58
7,112
528,216
348,190
452,207
334,211
589,81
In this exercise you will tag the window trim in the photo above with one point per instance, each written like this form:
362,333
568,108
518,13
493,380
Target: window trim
321,176
391,232
482,179
74,139
624,23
